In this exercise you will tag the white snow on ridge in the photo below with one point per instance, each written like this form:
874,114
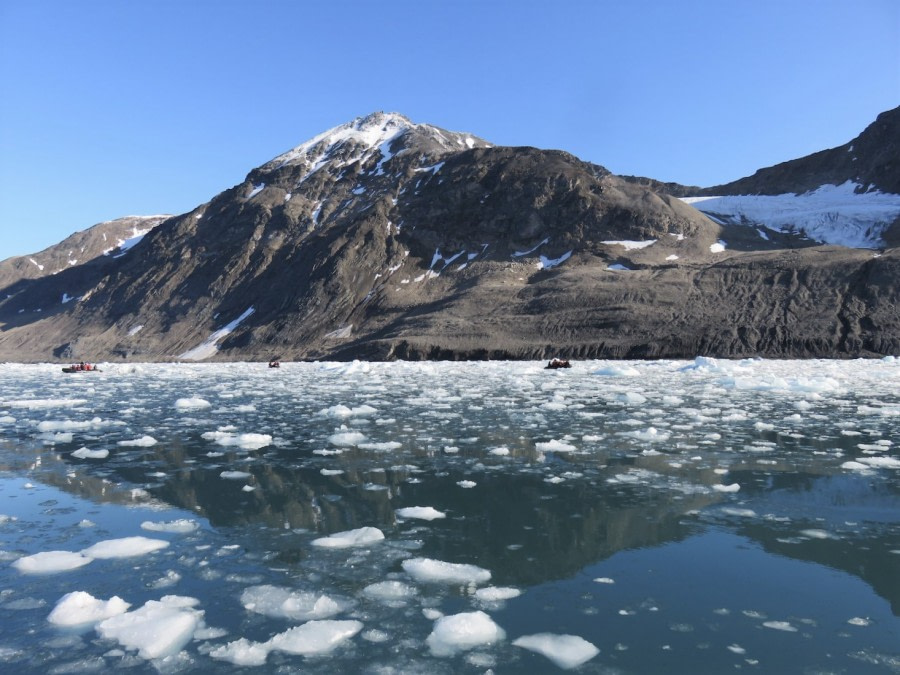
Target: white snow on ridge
631,245
546,263
366,131
832,214
210,346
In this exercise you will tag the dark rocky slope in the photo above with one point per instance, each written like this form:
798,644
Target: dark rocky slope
383,239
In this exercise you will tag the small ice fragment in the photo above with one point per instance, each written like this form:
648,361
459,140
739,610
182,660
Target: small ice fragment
390,590
566,651
780,625
618,371
181,526
87,453
192,404
458,632
50,562
421,512
497,593
78,608
438,571
142,442
235,475
555,446
127,547
858,621
604,580
733,487
466,483
286,603
346,439
359,537
242,652
315,637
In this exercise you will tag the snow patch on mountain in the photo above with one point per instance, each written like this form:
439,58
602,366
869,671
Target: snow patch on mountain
831,214
211,345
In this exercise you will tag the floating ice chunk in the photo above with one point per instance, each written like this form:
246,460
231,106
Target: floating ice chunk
343,411
331,472
78,608
734,487
192,404
235,475
815,533
70,425
420,512
632,398
555,446
181,526
466,483
315,637
780,625
881,462
458,632
51,562
566,651
605,580
142,442
362,536
438,571
390,590
346,439
45,403
243,441
855,466
858,621
617,371
650,435
127,547
87,453
737,649
156,630
500,452
387,446
497,593
375,635
242,652
286,603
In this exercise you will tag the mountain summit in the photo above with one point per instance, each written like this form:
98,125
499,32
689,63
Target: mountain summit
382,238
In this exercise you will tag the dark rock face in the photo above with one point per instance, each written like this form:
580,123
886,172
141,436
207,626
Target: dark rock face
383,239
871,160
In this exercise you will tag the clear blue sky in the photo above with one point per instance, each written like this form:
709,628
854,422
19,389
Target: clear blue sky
120,107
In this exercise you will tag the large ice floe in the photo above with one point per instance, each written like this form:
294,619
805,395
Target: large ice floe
451,517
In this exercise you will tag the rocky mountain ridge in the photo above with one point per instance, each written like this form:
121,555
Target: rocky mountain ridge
386,239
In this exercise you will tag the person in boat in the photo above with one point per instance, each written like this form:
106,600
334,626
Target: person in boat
559,363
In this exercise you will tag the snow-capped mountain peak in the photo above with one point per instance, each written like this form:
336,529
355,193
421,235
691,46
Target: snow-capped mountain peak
363,136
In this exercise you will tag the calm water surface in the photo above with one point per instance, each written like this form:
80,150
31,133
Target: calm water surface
681,517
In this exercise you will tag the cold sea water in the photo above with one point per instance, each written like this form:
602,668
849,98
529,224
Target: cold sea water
701,516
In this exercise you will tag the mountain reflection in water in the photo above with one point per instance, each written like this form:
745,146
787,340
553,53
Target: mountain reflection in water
541,476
